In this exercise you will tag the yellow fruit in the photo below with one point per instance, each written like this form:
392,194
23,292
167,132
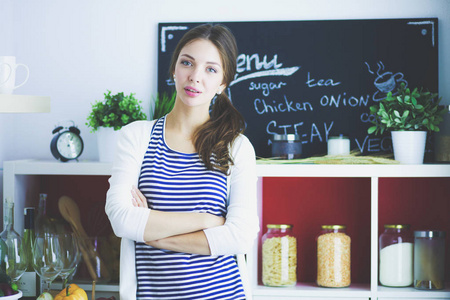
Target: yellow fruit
45,296
72,292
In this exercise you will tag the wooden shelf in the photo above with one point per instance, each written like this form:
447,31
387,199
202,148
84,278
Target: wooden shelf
24,104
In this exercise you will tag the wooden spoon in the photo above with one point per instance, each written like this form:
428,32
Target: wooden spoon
71,213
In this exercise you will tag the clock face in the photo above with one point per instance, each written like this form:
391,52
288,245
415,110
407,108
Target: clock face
69,145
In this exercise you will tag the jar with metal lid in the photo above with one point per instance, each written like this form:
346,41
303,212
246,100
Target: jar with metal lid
338,145
429,264
279,256
286,146
333,257
396,255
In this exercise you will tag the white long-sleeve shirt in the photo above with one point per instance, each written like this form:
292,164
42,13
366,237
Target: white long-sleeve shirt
236,236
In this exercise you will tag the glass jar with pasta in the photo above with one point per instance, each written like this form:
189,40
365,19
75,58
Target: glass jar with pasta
333,257
279,256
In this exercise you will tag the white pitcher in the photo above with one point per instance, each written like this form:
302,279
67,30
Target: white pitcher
8,68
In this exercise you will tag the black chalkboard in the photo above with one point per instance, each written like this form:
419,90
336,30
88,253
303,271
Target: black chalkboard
318,78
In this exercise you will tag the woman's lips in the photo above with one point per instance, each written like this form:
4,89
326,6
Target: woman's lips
192,92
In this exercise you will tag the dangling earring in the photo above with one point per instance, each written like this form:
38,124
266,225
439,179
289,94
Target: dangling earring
174,78
219,92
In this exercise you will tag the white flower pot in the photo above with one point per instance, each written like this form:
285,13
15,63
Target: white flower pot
409,146
106,142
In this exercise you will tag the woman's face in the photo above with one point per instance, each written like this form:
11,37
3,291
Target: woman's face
198,73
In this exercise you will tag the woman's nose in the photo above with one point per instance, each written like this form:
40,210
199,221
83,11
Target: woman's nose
195,76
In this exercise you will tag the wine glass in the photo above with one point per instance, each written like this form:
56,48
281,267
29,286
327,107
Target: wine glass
47,260
15,259
70,255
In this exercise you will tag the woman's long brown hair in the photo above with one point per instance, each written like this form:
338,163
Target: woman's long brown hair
213,138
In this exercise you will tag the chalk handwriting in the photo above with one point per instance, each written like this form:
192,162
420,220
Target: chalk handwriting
277,72
244,63
372,144
321,82
314,132
366,118
266,87
260,67
343,100
262,107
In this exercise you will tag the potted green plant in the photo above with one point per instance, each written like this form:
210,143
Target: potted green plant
108,116
408,115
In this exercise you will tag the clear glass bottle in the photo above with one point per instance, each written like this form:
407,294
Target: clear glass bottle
29,283
15,258
100,250
279,256
42,222
396,245
3,250
429,260
8,221
333,257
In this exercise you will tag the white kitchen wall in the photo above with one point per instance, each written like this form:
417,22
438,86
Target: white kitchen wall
76,50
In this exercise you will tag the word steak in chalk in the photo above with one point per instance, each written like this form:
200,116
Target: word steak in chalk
308,135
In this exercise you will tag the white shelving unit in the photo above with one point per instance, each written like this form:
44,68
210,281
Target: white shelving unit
24,104
21,180
21,177
355,291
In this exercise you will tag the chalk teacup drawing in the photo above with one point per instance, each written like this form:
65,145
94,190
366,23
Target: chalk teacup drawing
386,82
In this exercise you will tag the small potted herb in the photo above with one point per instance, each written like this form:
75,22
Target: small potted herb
408,115
108,116
115,112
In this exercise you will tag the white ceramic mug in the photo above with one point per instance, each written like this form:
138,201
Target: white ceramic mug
8,68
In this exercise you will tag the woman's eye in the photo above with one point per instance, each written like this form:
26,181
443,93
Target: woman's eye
212,70
186,63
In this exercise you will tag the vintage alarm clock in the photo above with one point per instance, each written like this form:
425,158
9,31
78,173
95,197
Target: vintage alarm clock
67,143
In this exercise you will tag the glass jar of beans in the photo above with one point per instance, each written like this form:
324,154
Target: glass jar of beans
333,257
279,256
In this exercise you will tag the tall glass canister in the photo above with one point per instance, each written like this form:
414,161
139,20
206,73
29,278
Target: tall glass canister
333,257
279,256
429,260
396,256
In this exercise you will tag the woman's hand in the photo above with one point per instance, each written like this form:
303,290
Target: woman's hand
138,199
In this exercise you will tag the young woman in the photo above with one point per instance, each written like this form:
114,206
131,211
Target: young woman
183,188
